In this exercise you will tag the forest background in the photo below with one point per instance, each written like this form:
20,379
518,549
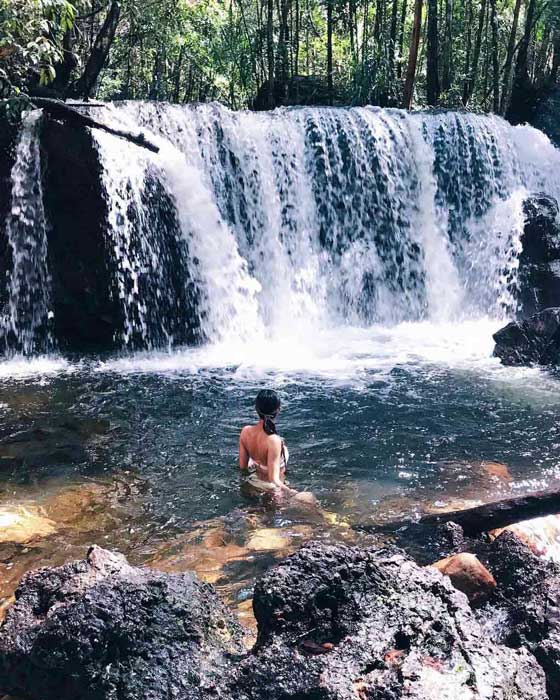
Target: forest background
489,55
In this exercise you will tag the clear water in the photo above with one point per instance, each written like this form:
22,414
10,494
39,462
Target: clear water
358,261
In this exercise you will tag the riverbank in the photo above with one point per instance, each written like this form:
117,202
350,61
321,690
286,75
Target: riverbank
334,622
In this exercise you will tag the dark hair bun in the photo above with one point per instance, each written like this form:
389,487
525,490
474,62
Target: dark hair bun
267,404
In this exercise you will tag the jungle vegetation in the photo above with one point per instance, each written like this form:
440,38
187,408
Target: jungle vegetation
491,55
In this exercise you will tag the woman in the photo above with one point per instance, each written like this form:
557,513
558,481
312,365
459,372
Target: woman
262,451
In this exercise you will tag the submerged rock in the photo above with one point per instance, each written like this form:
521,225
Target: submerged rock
101,628
21,525
534,341
539,260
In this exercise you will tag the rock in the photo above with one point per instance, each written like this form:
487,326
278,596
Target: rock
497,470
42,447
386,628
22,525
545,116
468,575
534,341
88,313
540,535
85,295
8,137
539,260
268,539
102,629
526,603
334,623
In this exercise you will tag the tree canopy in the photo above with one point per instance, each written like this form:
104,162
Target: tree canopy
495,55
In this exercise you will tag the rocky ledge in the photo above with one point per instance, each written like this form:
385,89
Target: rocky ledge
334,623
534,341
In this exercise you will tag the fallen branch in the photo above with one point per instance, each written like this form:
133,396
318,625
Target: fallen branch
481,518
73,117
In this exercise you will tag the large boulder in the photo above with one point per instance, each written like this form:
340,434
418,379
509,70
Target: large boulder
102,629
539,261
534,341
334,623
341,623
526,603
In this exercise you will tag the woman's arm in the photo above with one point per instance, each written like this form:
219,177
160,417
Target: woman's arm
274,467
243,454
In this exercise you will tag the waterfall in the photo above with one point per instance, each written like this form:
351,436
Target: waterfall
26,319
273,225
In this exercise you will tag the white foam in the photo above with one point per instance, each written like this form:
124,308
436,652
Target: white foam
354,357
23,368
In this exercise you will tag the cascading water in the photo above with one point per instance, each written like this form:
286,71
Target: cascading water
275,225
25,322
306,218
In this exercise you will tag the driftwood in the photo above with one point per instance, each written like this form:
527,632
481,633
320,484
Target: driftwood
73,117
481,518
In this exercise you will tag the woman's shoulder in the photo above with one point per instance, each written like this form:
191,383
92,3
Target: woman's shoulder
274,440
245,430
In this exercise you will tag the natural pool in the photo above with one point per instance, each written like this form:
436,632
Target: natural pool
138,452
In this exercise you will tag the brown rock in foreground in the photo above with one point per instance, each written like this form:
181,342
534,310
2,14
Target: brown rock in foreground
467,575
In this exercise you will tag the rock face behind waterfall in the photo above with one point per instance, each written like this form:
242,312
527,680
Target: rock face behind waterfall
534,341
335,623
546,116
100,628
539,261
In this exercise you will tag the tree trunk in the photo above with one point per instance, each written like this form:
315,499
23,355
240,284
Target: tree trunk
508,65
495,63
468,52
393,44
490,516
473,73
270,52
401,37
85,86
413,55
447,72
330,87
432,63
555,58
282,63
522,94
72,117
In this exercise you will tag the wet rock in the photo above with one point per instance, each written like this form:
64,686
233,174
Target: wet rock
527,603
539,261
22,525
85,295
468,575
534,341
545,116
389,630
540,535
102,629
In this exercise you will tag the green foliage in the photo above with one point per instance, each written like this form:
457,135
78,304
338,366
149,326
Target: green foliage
202,50
30,41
